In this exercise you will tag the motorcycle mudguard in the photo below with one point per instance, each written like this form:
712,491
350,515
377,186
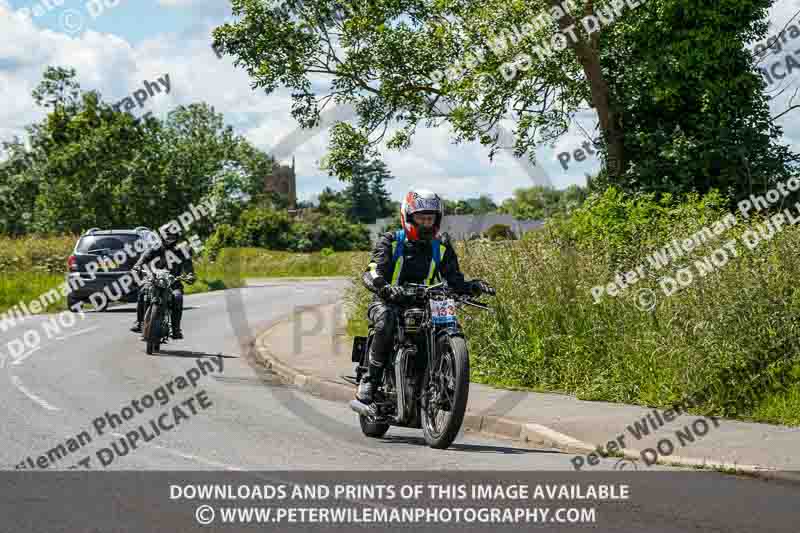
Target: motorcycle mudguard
452,331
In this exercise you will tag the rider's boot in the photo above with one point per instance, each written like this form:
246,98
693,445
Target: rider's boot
366,390
176,324
137,324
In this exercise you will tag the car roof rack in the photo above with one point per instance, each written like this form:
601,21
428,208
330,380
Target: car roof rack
92,231
141,229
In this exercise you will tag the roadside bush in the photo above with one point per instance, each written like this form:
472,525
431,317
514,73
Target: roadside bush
225,236
500,232
339,234
36,253
264,227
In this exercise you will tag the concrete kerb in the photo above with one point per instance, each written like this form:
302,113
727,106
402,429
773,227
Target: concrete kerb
329,390
529,434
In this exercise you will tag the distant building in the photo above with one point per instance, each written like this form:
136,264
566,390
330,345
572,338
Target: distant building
463,227
283,181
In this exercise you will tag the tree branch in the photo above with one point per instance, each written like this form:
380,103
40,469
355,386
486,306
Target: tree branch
791,107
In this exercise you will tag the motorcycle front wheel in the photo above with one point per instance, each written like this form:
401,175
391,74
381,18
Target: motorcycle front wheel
447,395
152,328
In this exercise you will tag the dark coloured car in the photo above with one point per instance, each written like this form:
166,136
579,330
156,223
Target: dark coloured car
95,252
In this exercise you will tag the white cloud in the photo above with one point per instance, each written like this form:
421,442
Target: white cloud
110,64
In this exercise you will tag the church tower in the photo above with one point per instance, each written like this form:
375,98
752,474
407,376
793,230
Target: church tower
283,181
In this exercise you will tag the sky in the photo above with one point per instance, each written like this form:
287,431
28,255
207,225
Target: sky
117,46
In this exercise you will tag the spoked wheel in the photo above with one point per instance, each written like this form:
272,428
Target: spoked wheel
152,329
447,394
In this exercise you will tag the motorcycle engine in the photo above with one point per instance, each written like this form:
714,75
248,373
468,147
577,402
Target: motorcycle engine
412,319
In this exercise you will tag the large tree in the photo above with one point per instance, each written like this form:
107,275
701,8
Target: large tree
379,174
91,166
689,88
362,205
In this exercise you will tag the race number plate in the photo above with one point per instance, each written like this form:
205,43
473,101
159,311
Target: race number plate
443,311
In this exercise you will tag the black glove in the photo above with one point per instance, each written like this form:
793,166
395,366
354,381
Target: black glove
139,272
390,293
478,287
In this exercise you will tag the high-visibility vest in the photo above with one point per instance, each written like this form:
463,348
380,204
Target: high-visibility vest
397,256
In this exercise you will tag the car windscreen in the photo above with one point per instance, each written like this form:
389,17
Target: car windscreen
94,244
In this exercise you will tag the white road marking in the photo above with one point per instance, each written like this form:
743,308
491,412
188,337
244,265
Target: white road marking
189,456
81,332
16,381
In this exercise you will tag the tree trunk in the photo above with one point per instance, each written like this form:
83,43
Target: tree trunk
588,55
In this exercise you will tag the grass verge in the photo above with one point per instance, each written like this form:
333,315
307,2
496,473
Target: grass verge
23,282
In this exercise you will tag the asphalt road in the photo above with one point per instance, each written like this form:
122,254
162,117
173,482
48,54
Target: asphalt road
251,421
255,422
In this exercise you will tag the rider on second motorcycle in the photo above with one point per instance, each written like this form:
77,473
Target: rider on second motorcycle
422,258
168,257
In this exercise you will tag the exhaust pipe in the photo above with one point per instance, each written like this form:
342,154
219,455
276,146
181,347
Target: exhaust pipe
401,371
400,384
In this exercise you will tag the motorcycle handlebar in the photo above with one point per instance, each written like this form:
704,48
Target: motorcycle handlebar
415,291
182,277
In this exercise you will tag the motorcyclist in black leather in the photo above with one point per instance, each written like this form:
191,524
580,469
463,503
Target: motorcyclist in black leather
421,216
165,257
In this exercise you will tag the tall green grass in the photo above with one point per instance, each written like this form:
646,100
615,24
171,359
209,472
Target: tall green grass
36,253
729,339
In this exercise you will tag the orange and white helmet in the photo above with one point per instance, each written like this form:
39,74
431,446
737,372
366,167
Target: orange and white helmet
420,201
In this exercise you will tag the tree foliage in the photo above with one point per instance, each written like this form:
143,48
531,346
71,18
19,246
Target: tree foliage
91,166
686,114
365,199
267,227
541,202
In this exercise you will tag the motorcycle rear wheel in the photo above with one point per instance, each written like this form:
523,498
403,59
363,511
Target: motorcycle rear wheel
454,371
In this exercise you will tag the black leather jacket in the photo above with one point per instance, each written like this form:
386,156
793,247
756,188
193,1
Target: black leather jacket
181,263
416,264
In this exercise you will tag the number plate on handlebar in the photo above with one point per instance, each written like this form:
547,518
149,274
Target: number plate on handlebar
443,311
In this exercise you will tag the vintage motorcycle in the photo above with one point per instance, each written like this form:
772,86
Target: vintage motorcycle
158,301
425,383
